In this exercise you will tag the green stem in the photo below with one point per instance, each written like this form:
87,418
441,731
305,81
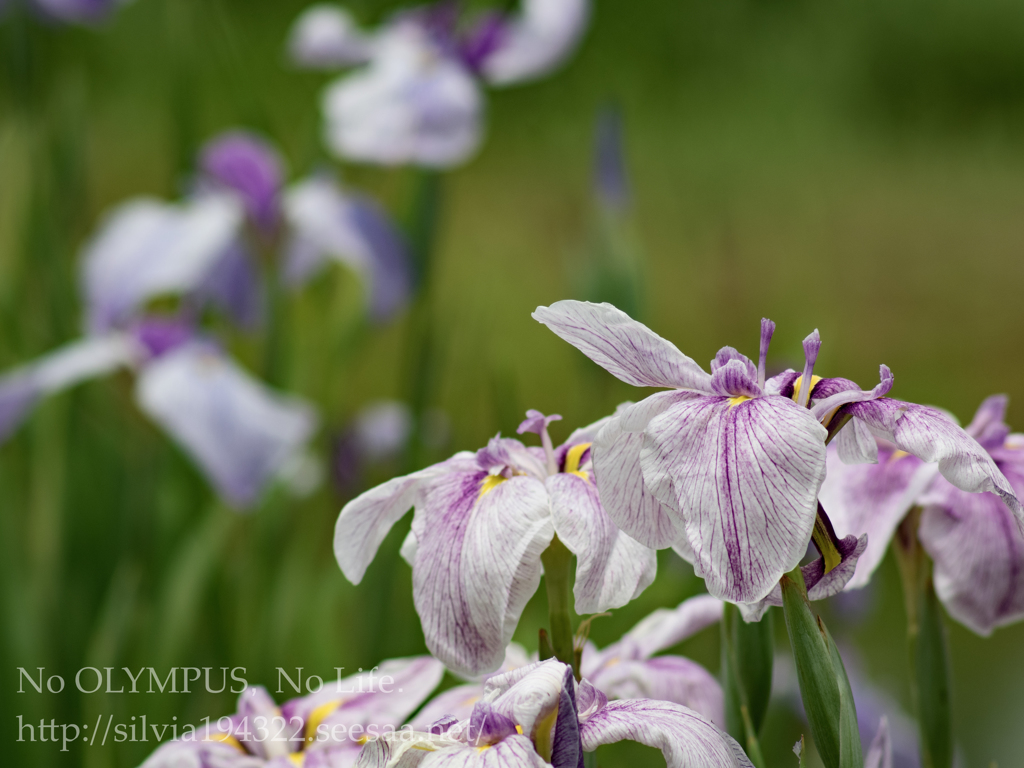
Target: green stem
927,646
747,674
557,562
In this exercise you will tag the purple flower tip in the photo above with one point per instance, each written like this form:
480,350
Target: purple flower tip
251,167
159,335
442,725
537,422
767,329
884,373
811,346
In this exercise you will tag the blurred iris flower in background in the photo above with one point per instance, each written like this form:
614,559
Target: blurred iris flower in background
417,97
67,11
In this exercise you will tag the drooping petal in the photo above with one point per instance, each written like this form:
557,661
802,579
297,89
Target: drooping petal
665,678
933,437
65,367
978,552
667,627
410,104
457,702
745,478
619,477
625,348
327,223
477,564
855,444
820,584
685,738
242,162
146,248
366,520
325,36
826,406
537,41
880,753
872,499
240,433
611,567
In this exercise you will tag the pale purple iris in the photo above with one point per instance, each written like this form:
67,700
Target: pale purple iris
973,538
480,525
726,467
240,433
325,729
539,717
243,162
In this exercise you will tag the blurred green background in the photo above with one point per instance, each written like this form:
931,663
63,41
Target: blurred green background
852,166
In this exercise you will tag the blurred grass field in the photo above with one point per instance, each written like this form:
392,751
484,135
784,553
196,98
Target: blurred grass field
852,166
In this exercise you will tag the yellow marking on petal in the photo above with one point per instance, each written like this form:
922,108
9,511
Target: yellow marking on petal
825,546
734,401
897,455
799,381
226,738
470,701
582,473
297,758
485,746
489,484
317,715
612,661
573,456
363,739
519,730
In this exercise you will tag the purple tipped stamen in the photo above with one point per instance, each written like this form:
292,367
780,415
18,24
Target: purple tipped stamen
537,422
767,329
812,344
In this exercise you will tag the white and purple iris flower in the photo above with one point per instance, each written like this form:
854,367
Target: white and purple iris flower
240,433
480,524
326,729
538,716
726,467
417,99
973,539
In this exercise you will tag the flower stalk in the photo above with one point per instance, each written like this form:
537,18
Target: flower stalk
927,646
557,560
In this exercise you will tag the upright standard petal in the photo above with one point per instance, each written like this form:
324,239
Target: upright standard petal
745,477
611,568
240,433
146,248
931,436
625,348
539,40
685,738
872,499
619,478
366,520
410,104
325,36
477,564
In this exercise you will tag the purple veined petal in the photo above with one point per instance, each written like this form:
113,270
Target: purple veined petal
174,754
61,369
665,678
477,564
685,738
366,520
325,36
146,248
987,426
457,702
782,383
233,286
247,164
620,482
406,749
627,349
745,478
611,567
410,104
978,553
872,499
880,753
734,379
820,585
254,702
505,453
513,752
76,11
855,444
327,223
538,41
666,627
931,436
726,355
240,433
826,406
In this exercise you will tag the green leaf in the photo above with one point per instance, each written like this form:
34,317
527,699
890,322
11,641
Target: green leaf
747,656
851,754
